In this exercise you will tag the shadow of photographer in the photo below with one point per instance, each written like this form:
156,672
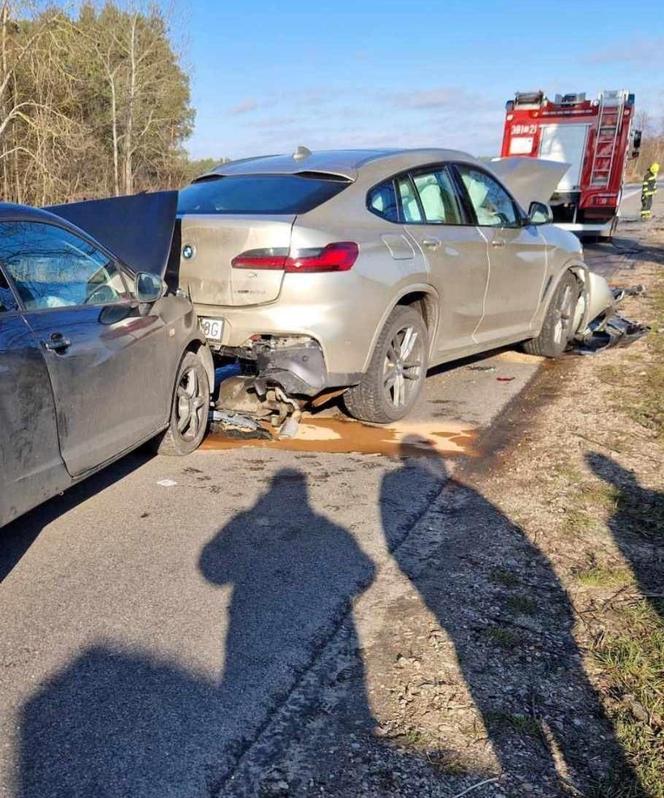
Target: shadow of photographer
120,721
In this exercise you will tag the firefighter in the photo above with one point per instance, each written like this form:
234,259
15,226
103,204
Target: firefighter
648,191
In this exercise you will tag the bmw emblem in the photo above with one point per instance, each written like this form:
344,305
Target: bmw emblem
188,252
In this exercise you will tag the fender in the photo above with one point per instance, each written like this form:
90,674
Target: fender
581,271
416,288
200,347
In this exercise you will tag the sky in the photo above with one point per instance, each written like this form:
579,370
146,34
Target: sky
269,76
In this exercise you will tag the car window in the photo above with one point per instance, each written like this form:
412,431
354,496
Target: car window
382,200
409,203
53,268
269,194
438,197
493,206
7,298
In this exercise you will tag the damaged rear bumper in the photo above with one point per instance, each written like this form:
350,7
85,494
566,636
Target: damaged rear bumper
297,368
296,364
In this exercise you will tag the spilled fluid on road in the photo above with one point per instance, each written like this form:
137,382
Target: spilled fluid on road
339,435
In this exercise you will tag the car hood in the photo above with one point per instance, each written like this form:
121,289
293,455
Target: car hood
529,179
138,229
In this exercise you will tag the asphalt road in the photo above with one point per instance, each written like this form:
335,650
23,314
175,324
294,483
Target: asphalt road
150,628
155,617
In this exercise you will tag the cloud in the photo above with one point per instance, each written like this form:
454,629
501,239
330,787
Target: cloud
448,97
300,98
245,107
645,52
329,118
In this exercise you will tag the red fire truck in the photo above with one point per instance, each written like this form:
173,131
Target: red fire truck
596,137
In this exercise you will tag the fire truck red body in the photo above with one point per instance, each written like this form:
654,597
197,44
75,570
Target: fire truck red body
596,137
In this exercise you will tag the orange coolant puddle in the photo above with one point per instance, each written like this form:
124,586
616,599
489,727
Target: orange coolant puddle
344,436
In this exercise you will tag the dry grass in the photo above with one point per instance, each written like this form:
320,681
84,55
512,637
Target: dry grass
648,410
597,576
629,648
599,516
631,657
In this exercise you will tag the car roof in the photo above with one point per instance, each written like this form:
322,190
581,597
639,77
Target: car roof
12,212
26,213
342,163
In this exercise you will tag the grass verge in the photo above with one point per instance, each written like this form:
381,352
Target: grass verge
629,648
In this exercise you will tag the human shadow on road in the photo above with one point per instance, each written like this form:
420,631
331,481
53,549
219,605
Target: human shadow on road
293,574
497,596
637,525
123,722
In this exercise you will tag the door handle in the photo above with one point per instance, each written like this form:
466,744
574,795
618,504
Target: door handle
57,343
431,243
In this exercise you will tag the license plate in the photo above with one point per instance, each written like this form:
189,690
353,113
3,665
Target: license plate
212,328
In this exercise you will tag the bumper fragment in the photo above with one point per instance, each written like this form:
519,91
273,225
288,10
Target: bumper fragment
612,330
609,328
298,369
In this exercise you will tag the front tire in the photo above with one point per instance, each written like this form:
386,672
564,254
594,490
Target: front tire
189,411
557,332
391,385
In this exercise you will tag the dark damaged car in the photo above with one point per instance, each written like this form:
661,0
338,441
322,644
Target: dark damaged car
97,354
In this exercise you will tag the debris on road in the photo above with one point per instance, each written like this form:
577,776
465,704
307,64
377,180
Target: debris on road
607,328
167,483
232,424
613,331
290,427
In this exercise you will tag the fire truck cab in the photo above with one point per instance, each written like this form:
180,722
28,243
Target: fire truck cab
595,137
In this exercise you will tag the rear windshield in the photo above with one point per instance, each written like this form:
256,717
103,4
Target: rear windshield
268,194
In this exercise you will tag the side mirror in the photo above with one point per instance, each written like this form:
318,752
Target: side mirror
539,213
149,288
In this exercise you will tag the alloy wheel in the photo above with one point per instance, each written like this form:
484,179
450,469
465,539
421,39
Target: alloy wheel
191,405
403,367
564,316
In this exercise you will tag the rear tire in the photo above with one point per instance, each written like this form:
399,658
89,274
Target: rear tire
189,411
557,332
391,385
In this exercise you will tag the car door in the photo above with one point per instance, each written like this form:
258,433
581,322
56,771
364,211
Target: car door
517,255
108,360
454,249
31,469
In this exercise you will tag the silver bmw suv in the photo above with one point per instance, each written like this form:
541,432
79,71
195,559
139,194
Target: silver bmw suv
360,269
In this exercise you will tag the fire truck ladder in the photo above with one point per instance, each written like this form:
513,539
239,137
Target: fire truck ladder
611,106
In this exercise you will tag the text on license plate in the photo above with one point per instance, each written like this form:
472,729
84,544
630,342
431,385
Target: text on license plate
212,328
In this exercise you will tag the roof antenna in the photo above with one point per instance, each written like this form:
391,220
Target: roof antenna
301,153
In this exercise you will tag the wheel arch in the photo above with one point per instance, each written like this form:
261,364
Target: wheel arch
200,348
576,267
421,296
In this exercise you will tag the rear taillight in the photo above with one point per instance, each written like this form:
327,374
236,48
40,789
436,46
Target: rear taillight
261,259
338,257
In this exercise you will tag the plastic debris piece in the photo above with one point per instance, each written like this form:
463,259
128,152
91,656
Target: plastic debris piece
613,331
289,428
233,419
167,483
230,424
